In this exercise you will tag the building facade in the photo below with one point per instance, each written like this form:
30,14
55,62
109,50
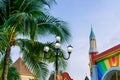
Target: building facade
105,65
23,71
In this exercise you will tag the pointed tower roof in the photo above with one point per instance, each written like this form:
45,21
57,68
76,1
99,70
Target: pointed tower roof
86,78
92,35
22,68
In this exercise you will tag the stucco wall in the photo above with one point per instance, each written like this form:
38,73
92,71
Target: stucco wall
23,77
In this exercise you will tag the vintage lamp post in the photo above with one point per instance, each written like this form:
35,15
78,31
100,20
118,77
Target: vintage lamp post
56,51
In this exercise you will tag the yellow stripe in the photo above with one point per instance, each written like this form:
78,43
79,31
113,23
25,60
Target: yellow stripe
107,64
119,60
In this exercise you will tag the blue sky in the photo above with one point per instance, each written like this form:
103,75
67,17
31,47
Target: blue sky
104,15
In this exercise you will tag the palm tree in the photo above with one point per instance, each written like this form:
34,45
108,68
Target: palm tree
12,72
27,18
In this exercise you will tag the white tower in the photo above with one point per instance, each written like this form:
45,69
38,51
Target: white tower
93,47
92,54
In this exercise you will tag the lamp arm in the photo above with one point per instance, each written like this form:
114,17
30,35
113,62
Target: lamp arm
65,57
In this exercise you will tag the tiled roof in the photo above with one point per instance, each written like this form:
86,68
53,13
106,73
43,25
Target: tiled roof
22,68
65,75
61,76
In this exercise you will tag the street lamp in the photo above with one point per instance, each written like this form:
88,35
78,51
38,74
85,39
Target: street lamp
57,50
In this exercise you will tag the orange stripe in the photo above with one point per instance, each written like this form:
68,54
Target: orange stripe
117,60
110,62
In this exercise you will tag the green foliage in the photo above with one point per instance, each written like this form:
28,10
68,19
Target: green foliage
13,74
1,65
30,18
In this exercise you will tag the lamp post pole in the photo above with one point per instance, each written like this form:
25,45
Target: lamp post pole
56,61
57,50
56,64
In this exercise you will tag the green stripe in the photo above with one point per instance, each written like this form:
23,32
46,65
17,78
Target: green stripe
104,66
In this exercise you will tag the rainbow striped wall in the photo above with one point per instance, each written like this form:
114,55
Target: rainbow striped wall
106,64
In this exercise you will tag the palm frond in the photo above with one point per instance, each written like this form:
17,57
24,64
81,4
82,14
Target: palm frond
48,2
33,55
53,26
4,42
38,68
25,23
2,12
28,5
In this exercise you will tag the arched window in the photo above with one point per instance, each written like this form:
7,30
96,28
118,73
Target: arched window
112,74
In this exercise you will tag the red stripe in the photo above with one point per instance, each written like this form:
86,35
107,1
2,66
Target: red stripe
107,52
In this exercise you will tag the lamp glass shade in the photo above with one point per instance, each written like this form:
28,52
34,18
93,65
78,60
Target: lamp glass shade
69,48
46,48
58,38
57,45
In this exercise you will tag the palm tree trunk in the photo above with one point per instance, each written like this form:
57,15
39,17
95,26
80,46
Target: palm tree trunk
6,64
7,55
